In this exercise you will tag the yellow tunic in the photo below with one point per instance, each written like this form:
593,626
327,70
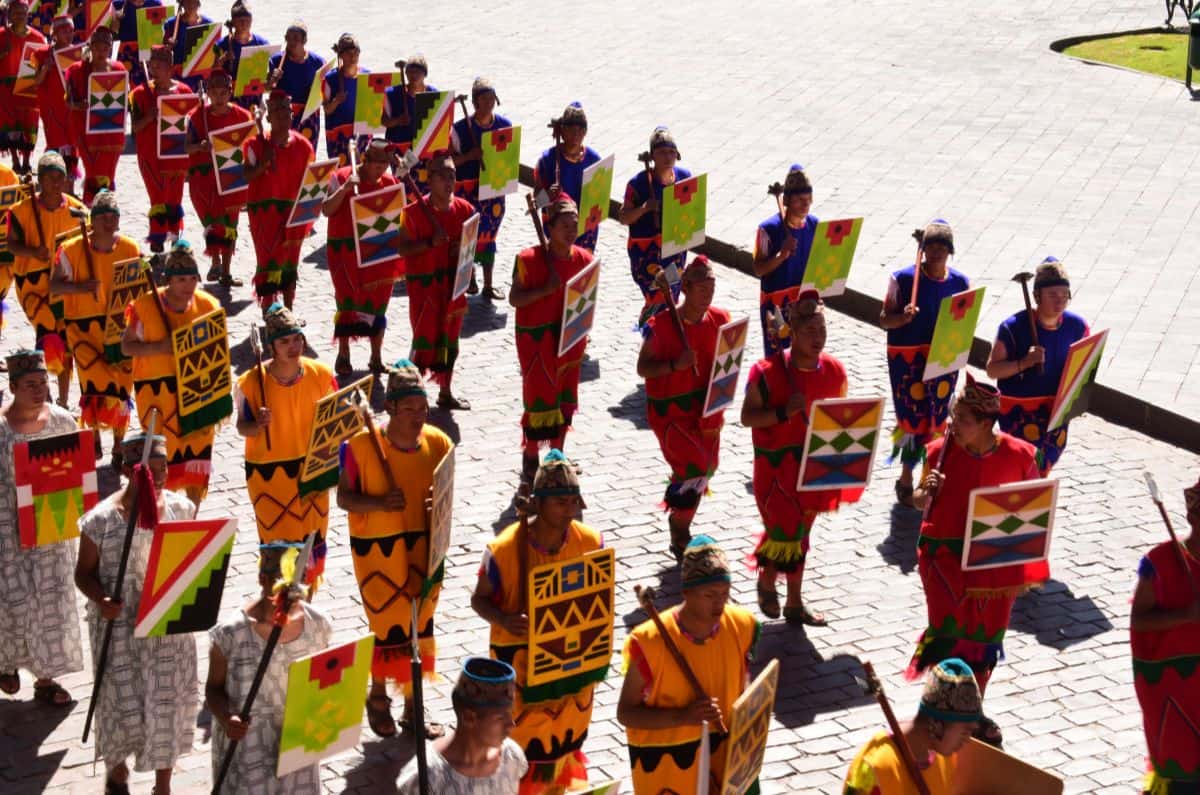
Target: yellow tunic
272,475
8,178
664,760
551,732
878,770
189,458
33,275
104,387
390,550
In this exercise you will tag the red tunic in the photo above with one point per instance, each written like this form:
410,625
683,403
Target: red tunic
361,294
269,202
56,119
164,178
218,213
17,114
99,152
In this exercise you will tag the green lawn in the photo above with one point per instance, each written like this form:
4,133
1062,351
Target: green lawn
1156,53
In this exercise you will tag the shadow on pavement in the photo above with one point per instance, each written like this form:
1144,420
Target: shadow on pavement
381,763
1058,618
20,760
632,408
899,549
318,258
666,595
809,684
482,317
589,369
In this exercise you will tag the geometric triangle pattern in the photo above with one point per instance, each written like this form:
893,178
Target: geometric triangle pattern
202,372
727,364
749,722
369,100
684,215
1079,371
95,14
831,256
129,281
433,116
579,306
55,479
441,512
32,56
314,188
173,110
1008,525
337,418
185,577
65,56
377,219
229,160
571,617
839,450
200,55
108,94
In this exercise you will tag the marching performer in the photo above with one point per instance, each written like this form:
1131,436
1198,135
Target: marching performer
277,427
552,731
175,38
466,136
128,52
1028,370
399,110
34,226
235,649
8,178
230,48
338,96
950,709
52,101
389,539
1164,625
478,756
563,163
148,701
39,622
219,213
658,707
149,322
294,71
676,362
164,178
275,165
361,295
781,249
921,406
429,245
968,611
83,277
98,151
549,382
779,396
18,114
642,213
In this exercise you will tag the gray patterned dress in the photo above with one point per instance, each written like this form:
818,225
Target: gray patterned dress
39,621
254,762
150,696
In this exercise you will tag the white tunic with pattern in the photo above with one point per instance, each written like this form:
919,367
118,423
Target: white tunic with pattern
39,620
150,696
254,761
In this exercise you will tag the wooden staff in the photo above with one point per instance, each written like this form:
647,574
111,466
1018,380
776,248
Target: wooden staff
256,346
279,619
376,445
875,688
647,159
665,286
1023,279
645,597
126,546
947,440
776,189
912,300
81,216
1179,553
37,216
462,101
556,126
418,705
537,224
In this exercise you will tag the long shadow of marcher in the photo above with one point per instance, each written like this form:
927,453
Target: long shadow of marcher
632,408
809,684
1058,618
27,724
381,763
482,317
318,259
899,549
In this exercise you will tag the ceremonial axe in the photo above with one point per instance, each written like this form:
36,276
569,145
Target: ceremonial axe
461,99
1023,278
647,159
776,189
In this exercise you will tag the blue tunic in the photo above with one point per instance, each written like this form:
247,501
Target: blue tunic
297,79
399,103
780,287
179,52
645,243
551,168
464,138
234,47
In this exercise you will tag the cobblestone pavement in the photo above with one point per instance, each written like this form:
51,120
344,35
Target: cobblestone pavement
1064,696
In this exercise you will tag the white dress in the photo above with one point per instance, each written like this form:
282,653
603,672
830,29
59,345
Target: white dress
150,695
39,622
445,780
254,762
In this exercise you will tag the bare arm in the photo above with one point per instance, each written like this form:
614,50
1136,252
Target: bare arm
634,713
1146,616
481,602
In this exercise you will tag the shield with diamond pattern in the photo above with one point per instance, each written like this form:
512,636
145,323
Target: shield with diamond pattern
173,110
229,159
465,268
108,94
727,363
377,217
579,306
839,450
1009,525
318,178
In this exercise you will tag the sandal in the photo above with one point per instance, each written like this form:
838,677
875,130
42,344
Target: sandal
473,287
904,495
380,718
988,732
213,274
10,683
342,366
375,366
118,459
432,730
227,280
802,616
768,602
448,401
115,787
492,294
52,695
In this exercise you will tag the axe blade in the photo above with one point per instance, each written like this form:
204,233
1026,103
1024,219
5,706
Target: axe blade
1023,277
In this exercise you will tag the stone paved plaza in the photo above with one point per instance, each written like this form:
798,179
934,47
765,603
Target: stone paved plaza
900,110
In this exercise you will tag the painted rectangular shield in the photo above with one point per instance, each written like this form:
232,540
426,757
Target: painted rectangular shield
433,116
324,708
252,69
501,171
108,93
336,420
727,364
229,159
953,333
749,722
684,212
95,14
150,22
314,189
980,769
441,514
131,278
202,372
571,620
831,256
839,451
185,577
200,53
579,306
55,478
173,110
64,57
369,101
1079,373
32,55
466,257
377,218
595,194
9,195
313,103
1009,525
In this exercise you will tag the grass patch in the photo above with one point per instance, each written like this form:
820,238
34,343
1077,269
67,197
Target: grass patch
1162,54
